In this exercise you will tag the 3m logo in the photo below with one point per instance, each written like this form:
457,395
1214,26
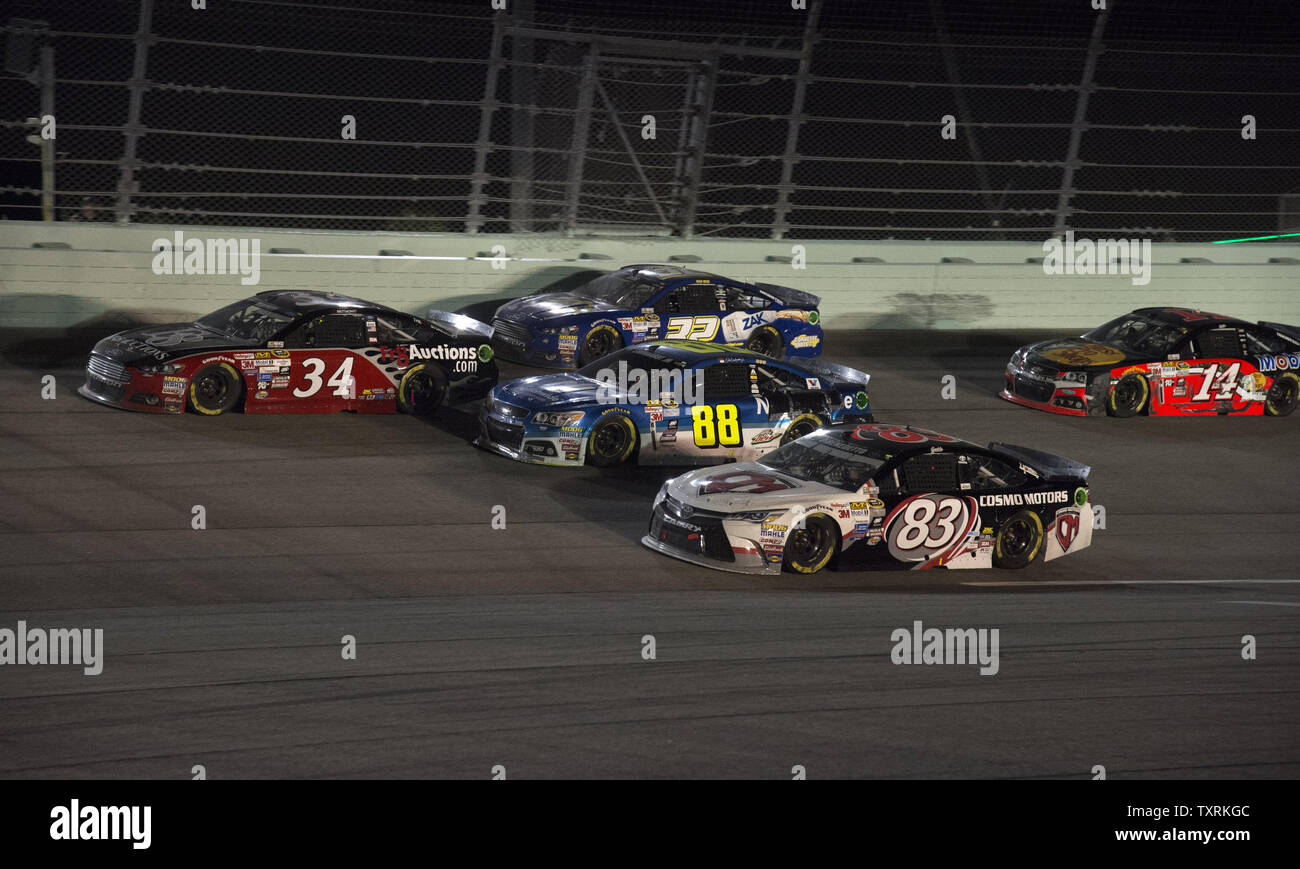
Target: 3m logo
1067,528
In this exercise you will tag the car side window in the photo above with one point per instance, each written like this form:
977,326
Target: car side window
773,379
1263,343
929,472
738,299
983,473
1223,342
328,330
726,380
690,299
389,330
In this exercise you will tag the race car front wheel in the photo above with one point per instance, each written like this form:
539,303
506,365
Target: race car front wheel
612,441
801,425
1129,396
1283,395
421,390
1019,540
600,341
767,341
810,548
215,389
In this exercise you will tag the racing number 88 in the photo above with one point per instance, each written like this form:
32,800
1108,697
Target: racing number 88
711,431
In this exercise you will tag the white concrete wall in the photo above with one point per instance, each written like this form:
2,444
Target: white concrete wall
107,270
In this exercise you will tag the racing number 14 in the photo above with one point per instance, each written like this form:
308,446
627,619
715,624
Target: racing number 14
711,431
1222,382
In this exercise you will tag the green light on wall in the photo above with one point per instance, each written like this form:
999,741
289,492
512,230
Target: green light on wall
1256,238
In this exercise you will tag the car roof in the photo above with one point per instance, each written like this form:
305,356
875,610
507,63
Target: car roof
1169,314
691,352
665,272
847,431
315,301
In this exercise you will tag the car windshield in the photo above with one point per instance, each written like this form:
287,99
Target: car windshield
623,290
1139,335
249,320
828,458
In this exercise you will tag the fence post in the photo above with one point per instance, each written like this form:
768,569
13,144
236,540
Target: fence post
784,187
127,183
1077,126
581,128
702,109
474,220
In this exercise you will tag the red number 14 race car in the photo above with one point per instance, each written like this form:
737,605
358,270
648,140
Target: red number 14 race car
1162,362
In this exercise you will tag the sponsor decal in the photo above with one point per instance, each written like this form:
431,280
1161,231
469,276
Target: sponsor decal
1280,362
670,432
805,341
173,385
765,436
813,382
261,393
1067,528
1080,496
746,482
1084,354
279,382
1021,499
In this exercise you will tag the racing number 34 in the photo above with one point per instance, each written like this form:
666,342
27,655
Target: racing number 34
715,427
342,380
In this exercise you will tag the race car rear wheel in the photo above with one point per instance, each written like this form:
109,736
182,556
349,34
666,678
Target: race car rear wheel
612,441
600,341
215,389
421,390
1019,540
1129,396
801,425
767,341
1283,395
810,548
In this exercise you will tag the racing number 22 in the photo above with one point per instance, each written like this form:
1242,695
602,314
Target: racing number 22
722,429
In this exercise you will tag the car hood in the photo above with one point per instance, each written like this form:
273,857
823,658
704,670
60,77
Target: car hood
152,344
730,489
550,305
547,391
1077,354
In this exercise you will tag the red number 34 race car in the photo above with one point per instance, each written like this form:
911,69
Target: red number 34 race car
293,351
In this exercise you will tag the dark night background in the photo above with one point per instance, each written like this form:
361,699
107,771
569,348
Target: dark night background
1194,66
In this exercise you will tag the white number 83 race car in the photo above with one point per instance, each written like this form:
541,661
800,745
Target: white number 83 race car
917,498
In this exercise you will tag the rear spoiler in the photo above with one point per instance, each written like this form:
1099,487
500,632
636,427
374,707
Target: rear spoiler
787,296
458,323
1053,467
1292,332
833,372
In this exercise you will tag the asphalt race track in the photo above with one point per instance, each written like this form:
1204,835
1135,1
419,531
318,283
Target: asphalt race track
522,647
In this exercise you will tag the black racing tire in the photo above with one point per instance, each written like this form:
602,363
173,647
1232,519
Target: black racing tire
1283,395
767,341
612,441
1129,396
599,342
422,390
804,423
215,389
1019,540
812,547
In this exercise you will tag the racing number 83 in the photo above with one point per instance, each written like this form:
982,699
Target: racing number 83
713,427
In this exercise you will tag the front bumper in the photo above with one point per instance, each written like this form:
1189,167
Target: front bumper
1053,394
116,385
706,542
517,342
510,435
